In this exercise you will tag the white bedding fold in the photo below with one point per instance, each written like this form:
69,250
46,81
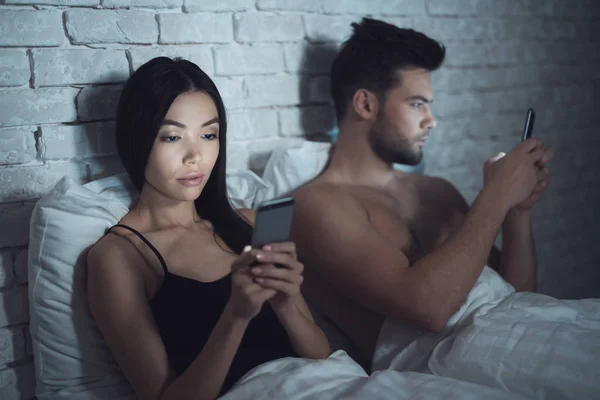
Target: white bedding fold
339,377
523,343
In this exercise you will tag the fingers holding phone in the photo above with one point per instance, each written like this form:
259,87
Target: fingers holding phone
279,270
247,296
277,266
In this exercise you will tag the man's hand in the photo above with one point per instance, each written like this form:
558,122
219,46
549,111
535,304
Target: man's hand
526,163
542,185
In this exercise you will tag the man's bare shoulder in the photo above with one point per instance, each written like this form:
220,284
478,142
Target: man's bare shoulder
442,189
321,196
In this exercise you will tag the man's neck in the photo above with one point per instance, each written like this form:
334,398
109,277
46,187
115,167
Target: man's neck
354,162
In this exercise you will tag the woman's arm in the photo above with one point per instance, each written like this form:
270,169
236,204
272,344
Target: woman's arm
119,302
307,338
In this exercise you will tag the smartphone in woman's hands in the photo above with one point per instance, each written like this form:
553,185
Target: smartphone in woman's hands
273,223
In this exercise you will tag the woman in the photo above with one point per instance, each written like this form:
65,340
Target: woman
183,314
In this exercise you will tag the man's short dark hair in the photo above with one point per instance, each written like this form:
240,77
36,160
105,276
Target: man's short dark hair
374,53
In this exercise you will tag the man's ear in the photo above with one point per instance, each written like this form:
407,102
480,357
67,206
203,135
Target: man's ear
365,104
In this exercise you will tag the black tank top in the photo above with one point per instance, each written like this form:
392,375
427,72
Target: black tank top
186,311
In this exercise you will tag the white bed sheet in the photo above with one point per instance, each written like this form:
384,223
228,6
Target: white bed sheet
339,377
523,343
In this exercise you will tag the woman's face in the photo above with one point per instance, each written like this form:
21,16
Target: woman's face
186,147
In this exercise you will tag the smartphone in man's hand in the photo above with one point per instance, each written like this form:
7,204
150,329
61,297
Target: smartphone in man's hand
529,121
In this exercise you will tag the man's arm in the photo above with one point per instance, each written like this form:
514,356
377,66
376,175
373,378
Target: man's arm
518,262
334,235
462,207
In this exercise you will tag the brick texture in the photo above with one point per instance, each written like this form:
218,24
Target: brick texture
96,26
26,107
63,64
195,28
194,6
16,28
81,66
14,67
244,60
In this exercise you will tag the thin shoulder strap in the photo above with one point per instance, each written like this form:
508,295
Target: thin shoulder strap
160,258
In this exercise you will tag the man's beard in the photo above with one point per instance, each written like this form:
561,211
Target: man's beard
398,151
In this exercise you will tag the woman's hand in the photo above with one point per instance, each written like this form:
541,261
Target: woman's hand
247,296
279,270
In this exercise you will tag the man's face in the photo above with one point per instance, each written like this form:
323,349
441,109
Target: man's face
405,118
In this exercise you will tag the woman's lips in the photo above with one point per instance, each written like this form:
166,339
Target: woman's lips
191,179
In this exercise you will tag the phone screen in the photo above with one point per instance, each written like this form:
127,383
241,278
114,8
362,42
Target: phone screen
273,222
529,121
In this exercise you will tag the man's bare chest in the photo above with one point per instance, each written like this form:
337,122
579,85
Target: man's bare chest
415,221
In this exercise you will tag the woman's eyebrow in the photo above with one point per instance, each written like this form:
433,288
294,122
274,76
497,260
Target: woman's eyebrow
174,123
183,126
211,121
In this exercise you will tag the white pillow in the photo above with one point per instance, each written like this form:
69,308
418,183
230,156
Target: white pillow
289,167
71,358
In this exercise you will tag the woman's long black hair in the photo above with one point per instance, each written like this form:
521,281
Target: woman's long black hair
144,103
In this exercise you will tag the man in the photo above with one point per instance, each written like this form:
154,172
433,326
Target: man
381,244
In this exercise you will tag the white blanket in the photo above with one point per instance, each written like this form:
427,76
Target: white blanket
522,343
499,345
339,377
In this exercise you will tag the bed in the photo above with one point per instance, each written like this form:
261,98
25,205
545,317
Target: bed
481,354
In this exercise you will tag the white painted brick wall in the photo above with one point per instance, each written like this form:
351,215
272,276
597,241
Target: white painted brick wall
201,55
27,106
98,102
282,90
12,345
244,60
82,66
16,28
328,28
14,306
142,3
193,6
56,2
6,268
250,124
16,215
289,5
95,26
32,181
232,91
62,64
266,27
14,68
70,141
305,121
17,382
20,265
309,58
17,145
380,7
199,28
